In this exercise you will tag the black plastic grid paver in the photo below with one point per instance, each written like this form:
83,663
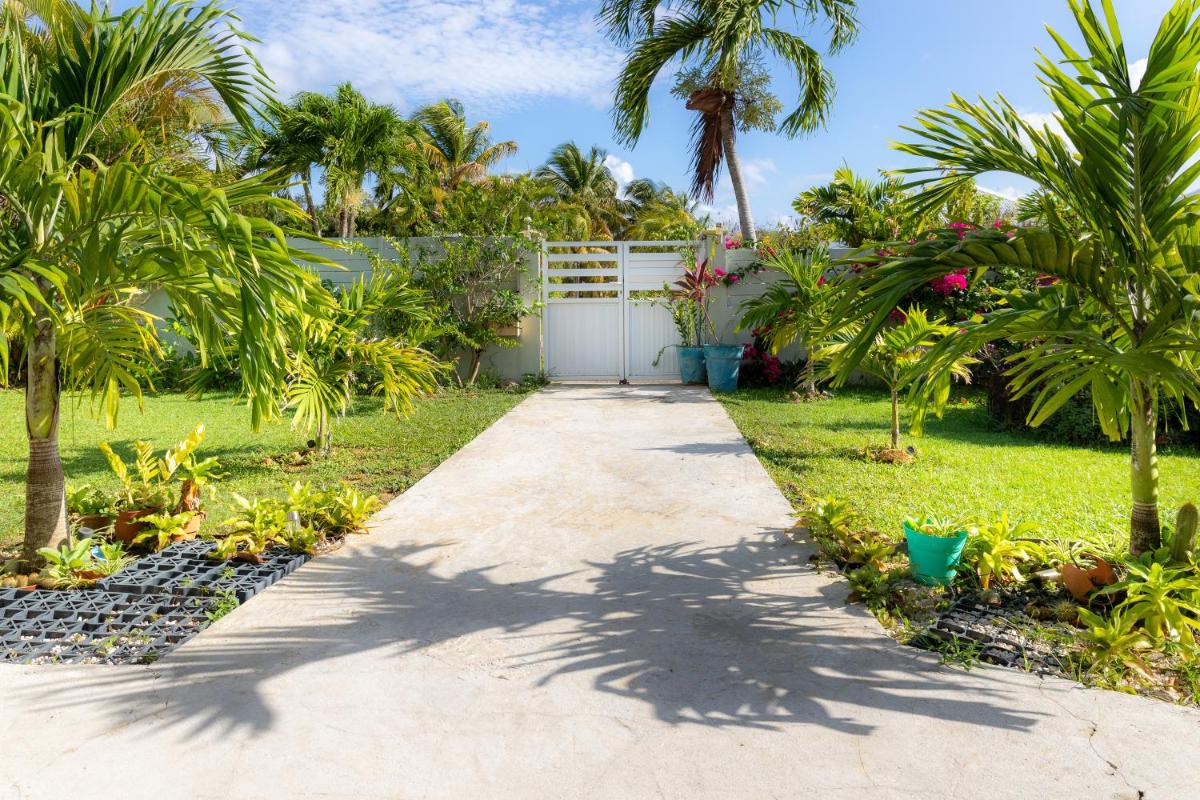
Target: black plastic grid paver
136,615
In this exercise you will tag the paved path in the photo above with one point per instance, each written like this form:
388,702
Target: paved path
591,600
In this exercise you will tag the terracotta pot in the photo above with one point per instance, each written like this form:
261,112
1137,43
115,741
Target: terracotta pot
128,526
96,522
193,524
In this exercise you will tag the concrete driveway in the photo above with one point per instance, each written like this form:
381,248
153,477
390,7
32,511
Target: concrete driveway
591,600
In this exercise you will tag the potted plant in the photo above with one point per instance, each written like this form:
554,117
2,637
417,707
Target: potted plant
722,362
91,508
161,530
148,489
934,549
687,315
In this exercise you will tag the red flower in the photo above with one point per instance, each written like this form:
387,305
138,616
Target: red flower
734,278
897,316
1046,280
821,281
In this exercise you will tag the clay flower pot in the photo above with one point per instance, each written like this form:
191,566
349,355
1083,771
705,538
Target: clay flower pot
128,524
96,522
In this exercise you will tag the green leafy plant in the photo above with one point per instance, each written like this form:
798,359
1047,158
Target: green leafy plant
1164,600
793,310
1114,642
89,501
300,539
226,602
871,585
349,510
944,527
112,558
838,530
149,484
65,563
895,356
164,529
996,550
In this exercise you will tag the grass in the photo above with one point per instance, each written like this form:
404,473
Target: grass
965,468
372,450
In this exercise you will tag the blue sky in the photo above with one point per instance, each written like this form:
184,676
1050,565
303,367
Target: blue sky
542,74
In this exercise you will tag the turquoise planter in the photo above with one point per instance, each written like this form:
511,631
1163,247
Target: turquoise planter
691,365
723,363
934,559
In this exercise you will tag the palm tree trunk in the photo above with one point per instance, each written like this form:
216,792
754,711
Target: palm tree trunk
895,420
309,205
810,375
45,485
476,364
1144,530
749,234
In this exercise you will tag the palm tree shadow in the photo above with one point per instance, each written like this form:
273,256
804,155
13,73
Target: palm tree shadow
713,636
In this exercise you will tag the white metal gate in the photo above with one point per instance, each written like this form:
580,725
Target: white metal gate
601,321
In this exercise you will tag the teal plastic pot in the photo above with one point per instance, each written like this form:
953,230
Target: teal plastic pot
934,559
723,363
691,364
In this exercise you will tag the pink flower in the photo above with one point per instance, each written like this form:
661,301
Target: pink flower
949,284
961,228
1046,280
821,281
720,273
734,278
897,316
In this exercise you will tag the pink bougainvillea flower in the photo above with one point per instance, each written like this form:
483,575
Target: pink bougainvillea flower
961,228
1046,280
734,278
897,316
720,273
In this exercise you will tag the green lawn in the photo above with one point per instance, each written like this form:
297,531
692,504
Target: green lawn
371,449
965,467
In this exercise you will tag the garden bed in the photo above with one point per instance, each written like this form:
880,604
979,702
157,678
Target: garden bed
137,615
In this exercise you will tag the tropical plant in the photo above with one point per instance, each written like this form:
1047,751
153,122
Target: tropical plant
942,527
1115,642
856,209
584,179
458,152
83,237
656,212
1111,307
111,558
329,353
720,45
793,309
996,550
1164,600
90,501
347,511
473,283
163,529
65,563
353,139
895,356
149,485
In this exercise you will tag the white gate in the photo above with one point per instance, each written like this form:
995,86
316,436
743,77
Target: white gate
601,321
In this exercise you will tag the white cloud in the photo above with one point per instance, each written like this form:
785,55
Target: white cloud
1137,71
621,170
1005,193
1040,119
494,55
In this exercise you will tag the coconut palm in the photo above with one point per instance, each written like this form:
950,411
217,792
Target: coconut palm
458,152
584,179
82,237
1108,307
722,43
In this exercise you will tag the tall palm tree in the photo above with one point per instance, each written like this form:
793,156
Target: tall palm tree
458,152
81,237
1109,298
723,41
357,138
583,179
283,145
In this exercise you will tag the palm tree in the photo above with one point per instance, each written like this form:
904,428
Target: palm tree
857,209
283,145
722,42
583,179
1108,299
455,151
82,237
794,309
329,353
357,138
894,354
656,211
